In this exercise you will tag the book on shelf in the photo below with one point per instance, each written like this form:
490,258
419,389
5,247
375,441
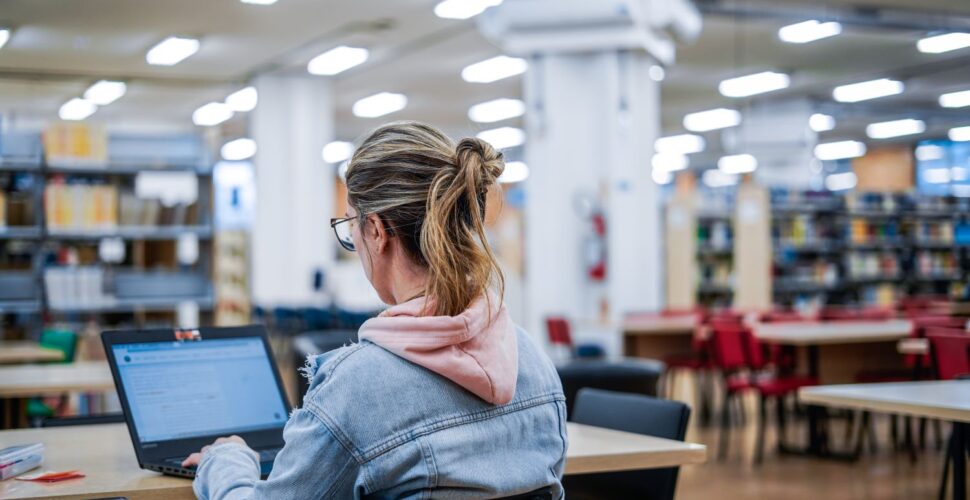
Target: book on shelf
81,206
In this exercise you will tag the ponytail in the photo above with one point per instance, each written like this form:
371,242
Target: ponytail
433,194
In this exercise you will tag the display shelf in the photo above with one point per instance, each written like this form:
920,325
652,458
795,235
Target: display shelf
127,305
19,232
714,251
19,306
132,233
714,289
19,165
124,169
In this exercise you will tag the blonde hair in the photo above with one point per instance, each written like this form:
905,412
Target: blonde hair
430,193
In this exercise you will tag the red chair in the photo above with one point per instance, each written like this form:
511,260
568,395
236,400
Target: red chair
951,352
740,358
560,337
951,359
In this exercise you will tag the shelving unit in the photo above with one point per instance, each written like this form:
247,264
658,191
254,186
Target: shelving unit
152,249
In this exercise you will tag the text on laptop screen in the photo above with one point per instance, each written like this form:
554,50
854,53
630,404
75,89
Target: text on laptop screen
180,390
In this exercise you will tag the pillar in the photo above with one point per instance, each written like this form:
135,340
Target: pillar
294,189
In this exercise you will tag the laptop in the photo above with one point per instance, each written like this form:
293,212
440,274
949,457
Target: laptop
182,389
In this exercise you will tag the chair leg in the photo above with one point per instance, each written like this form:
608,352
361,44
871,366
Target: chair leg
871,432
938,434
922,433
725,428
762,416
782,416
946,471
894,432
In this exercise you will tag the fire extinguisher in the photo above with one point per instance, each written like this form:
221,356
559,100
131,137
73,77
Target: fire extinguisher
596,248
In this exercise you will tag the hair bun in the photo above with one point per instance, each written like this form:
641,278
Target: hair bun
477,159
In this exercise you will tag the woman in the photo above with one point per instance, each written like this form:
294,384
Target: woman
443,397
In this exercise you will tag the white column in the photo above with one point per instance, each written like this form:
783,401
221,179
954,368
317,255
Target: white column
294,188
591,122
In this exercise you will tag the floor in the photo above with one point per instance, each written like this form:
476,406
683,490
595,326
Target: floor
884,474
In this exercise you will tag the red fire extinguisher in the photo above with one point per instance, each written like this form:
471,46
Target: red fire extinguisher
596,247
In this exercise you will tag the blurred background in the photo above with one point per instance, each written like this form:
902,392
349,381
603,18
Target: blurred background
177,163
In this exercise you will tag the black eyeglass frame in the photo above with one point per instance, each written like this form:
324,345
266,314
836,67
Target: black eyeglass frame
347,245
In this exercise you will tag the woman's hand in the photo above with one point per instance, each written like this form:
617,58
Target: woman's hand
194,459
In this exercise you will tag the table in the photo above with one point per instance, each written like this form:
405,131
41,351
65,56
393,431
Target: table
945,400
53,380
104,453
849,347
25,351
649,336
25,381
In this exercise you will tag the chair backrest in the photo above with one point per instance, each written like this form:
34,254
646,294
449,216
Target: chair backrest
107,418
631,413
951,352
61,340
728,345
558,328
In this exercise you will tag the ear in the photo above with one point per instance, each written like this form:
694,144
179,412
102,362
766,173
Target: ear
376,231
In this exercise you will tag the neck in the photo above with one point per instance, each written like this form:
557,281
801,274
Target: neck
408,283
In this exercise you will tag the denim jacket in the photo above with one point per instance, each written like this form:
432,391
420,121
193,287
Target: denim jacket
374,425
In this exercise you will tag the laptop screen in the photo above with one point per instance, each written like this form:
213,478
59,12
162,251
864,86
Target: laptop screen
179,390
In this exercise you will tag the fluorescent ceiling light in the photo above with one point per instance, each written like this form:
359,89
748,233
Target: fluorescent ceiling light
504,137
515,171
840,150
4,36
171,51
937,175
661,176
943,43
872,89
211,114
820,122
337,151
496,110
259,2
757,83
841,182
463,9
679,144
238,149
656,73
960,134
955,99
895,128
929,152
715,178
737,164
380,104
105,92
671,162
77,109
337,60
712,119
494,69
808,31
243,100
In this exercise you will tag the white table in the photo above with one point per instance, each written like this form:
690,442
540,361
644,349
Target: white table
25,351
946,400
105,455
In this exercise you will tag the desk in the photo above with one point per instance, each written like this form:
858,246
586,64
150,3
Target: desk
946,400
25,381
53,380
849,346
648,336
104,453
24,351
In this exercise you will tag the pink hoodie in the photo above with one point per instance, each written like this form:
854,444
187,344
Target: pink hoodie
480,355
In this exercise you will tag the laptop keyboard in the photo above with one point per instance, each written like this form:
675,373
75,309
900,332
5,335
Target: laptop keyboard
264,456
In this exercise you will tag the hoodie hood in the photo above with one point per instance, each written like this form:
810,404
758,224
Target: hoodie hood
477,349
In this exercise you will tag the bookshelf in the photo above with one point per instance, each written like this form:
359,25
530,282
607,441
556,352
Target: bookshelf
58,216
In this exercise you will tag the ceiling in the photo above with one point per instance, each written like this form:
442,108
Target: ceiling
59,47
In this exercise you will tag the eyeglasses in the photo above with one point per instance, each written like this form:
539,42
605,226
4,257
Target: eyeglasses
342,231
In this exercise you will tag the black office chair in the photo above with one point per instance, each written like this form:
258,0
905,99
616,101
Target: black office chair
638,376
107,418
631,413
